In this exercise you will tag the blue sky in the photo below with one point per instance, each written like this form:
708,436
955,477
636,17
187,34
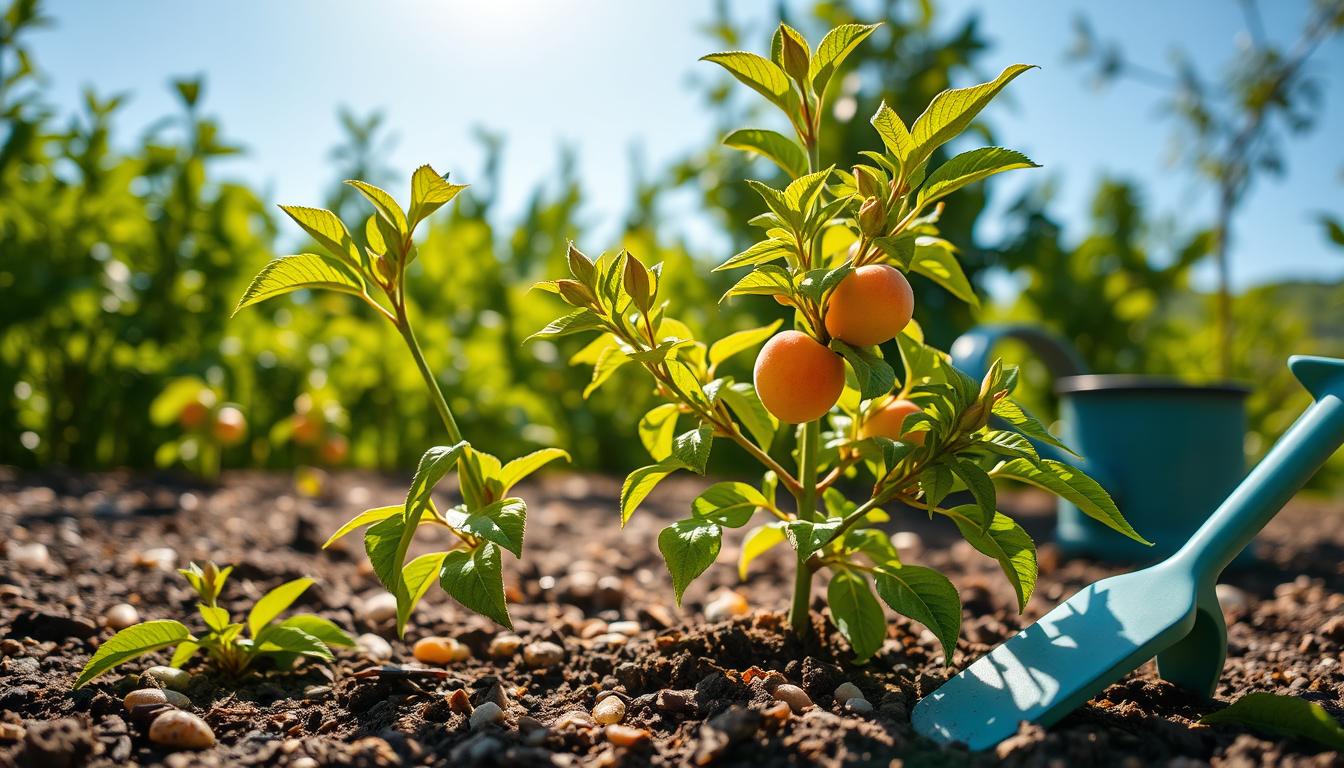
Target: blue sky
602,75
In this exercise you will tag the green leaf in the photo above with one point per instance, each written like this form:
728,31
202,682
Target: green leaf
856,613
523,466
803,191
741,341
924,595
832,51
133,642
216,618
386,206
691,448
951,112
326,631
502,522
327,229
765,280
937,260
429,192
578,321
1004,540
657,428
762,252
782,151
778,205
808,537
292,273
756,72
968,168
1010,411
274,603
742,400
689,547
1006,443
936,481
418,575
874,375
1283,716
729,504
281,639
611,359
978,483
364,518
642,481
817,283
183,653
1068,483
476,580
436,463
893,132
759,540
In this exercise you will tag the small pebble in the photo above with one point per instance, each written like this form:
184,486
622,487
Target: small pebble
168,677
121,616
610,640
440,650
675,701
627,628
317,692
144,696
727,605
779,712
576,719
626,736
543,654
795,697
30,557
162,558
846,691
11,732
907,543
532,730
459,701
609,710
373,646
592,628
380,608
504,645
181,730
486,714
859,706
10,647
304,762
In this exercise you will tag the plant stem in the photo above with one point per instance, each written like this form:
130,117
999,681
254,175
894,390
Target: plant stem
436,394
808,447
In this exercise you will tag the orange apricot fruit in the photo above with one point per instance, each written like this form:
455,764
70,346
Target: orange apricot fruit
797,378
871,305
230,425
888,421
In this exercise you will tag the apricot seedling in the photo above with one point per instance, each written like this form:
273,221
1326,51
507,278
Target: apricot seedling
837,247
232,647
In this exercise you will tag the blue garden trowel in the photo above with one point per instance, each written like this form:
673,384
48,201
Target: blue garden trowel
1168,610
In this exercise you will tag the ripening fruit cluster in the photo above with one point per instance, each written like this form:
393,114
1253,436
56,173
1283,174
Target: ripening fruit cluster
311,427
798,378
226,423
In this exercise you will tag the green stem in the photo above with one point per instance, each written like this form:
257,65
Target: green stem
808,447
436,394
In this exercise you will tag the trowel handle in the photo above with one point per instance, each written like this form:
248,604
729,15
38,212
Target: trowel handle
1292,461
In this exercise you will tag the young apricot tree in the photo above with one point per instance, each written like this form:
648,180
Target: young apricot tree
837,246
488,520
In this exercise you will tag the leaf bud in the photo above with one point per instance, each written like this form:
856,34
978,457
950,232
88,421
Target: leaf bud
795,58
581,267
575,293
872,217
637,283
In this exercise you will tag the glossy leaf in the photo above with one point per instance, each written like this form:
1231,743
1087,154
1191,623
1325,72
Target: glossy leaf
935,259
688,548
968,168
741,341
856,613
1005,541
924,595
756,72
323,629
274,603
1282,716
367,517
951,112
475,579
832,51
131,643
292,273
757,542
523,466
1068,483
781,151
730,504
327,229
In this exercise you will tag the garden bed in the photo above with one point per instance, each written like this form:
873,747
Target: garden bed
688,681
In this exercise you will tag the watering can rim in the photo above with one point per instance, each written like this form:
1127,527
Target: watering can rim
1126,382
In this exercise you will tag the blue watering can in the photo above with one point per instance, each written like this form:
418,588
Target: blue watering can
1168,611
1167,452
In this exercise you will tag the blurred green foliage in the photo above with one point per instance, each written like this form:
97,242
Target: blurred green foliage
120,262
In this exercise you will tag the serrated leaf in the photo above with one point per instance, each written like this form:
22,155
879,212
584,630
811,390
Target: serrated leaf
978,483
778,204
657,428
968,168
274,603
688,548
476,580
936,482
765,280
523,466
926,596
642,481
1006,443
691,448
856,613
935,259
742,400
305,270
1071,484
758,541
367,517
874,375
434,464
807,537
951,112
328,230
756,72
133,642
1282,716
781,151
730,504
1012,412
578,321
1005,541
894,134
323,629
384,203
832,51
502,522
803,191
429,192
762,252
741,341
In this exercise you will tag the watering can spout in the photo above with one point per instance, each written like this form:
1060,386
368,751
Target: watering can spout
1321,376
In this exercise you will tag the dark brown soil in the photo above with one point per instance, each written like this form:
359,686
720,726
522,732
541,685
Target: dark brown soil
689,682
